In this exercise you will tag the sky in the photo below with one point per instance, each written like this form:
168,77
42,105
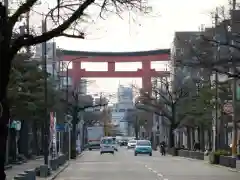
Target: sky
145,32
149,32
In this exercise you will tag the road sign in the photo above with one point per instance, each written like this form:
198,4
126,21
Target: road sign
228,108
16,125
60,127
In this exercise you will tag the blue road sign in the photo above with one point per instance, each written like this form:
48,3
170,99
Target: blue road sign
60,127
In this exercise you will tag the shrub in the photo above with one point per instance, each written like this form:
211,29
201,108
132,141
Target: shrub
214,156
238,156
222,153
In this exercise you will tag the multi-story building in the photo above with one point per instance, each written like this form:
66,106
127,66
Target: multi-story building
51,57
189,47
123,105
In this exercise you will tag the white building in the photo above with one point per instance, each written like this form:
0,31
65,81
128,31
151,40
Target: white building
124,104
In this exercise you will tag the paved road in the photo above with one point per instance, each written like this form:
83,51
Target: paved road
125,166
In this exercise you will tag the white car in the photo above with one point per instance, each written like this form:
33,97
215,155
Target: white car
131,144
107,145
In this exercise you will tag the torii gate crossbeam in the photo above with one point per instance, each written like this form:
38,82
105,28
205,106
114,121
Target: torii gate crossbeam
145,57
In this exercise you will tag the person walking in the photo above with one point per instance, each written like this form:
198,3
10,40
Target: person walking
163,148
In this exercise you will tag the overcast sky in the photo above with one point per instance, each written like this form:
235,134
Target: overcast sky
145,32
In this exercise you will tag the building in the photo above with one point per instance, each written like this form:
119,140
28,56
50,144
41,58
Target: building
123,105
190,48
125,94
51,57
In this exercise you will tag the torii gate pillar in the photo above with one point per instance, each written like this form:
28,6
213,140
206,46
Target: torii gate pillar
146,78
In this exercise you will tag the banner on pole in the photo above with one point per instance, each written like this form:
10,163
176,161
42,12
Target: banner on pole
53,140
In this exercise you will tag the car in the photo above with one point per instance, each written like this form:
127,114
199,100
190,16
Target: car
131,144
123,142
143,147
107,145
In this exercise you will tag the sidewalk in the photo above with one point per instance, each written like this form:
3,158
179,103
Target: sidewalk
16,169
206,162
180,168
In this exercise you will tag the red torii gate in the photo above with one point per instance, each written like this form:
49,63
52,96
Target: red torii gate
145,57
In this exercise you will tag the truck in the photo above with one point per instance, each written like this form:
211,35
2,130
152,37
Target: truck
94,135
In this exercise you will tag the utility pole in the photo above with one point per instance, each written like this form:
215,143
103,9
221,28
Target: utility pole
215,121
234,101
46,118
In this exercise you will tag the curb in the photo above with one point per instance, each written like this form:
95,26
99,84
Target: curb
8,167
219,166
58,172
63,168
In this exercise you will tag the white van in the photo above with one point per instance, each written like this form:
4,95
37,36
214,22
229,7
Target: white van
107,145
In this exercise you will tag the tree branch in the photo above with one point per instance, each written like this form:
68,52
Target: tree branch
60,29
24,8
81,36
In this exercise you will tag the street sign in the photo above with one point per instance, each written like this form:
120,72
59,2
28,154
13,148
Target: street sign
60,127
16,125
228,108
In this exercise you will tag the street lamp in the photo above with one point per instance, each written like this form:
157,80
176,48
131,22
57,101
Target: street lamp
67,74
46,122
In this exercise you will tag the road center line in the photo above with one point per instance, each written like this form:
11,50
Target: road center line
154,171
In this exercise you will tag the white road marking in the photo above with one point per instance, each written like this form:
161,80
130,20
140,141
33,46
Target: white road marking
154,171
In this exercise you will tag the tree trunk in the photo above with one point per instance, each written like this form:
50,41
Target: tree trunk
188,137
4,118
171,138
35,138
136,128
202,137
209,139
4,108
42,138
74,133
13,147
198,134
172,127
24,138
5,66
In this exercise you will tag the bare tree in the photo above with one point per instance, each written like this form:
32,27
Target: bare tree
215,48
66,17
166,102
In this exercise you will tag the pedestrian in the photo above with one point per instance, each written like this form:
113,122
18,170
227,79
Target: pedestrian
163,148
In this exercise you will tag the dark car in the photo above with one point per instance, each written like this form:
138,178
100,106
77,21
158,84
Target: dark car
123,143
